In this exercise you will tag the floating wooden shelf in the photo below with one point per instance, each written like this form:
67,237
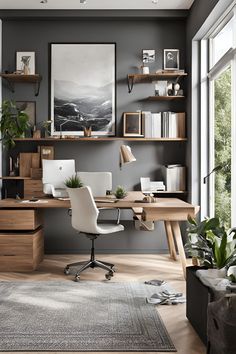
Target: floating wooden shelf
144,78
14,177
165,98
20,78
173,192
98,139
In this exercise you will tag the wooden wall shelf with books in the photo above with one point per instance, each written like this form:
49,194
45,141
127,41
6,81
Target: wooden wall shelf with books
80,139
145,78
20,78
165,98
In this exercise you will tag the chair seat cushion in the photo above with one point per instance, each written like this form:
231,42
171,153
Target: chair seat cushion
109,228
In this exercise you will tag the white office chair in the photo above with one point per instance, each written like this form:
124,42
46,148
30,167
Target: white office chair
55,172
84,219
99,182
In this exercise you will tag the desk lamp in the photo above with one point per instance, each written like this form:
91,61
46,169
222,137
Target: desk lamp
126,155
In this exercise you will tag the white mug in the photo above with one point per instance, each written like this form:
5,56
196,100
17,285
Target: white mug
145,69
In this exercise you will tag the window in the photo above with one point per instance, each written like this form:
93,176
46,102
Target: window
220,146
218,153
222,42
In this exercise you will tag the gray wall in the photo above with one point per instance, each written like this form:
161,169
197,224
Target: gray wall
131,36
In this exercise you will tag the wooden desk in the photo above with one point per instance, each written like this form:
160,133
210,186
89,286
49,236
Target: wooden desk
169,210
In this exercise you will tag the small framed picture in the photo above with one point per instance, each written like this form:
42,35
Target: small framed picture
47,152
171,59
28,107
148,55
132,124
25,62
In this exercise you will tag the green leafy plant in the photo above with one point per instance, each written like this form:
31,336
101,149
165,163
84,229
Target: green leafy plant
14,123
209,242
73,182
120,192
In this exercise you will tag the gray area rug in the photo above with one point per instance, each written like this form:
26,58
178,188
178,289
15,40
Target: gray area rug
85,316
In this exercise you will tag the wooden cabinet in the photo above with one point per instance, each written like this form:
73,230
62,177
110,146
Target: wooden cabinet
20,219
21,252
33,188
21,239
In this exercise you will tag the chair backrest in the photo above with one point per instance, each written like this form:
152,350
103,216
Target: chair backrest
99,182
84,210
55,172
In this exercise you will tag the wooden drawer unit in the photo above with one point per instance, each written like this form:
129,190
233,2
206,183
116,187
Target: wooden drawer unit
21,252
33,188
27,219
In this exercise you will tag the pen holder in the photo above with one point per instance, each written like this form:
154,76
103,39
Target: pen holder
87,131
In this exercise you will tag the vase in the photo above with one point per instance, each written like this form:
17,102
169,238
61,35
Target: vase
87,132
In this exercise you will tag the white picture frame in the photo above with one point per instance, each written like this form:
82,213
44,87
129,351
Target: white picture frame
25,63
171,59
149,55
83,93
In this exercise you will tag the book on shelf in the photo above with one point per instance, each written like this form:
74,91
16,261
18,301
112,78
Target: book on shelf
174,177
163,125
148,186
173,124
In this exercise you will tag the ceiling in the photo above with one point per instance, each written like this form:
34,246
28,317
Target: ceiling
96,4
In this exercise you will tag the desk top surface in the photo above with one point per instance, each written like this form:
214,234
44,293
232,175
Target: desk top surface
132,200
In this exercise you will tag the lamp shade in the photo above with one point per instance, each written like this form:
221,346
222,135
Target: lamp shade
126,155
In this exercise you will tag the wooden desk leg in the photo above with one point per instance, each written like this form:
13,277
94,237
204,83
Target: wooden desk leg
178,238
170,240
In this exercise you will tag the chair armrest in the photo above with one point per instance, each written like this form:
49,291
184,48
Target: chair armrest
118,212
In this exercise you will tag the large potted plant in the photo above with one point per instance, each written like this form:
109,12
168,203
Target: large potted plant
14,123
211,244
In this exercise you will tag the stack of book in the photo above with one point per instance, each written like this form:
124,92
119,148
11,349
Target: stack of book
174,177
163,125
148,186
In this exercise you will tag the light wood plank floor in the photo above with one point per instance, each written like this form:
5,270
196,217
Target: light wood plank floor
130,267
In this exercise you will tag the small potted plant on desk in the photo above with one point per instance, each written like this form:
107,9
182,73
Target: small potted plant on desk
120,192
14,123
211,245
73,182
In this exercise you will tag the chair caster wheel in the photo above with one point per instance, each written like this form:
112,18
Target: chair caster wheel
108,276
77,278
67,271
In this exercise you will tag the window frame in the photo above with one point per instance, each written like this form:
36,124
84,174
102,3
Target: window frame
208,74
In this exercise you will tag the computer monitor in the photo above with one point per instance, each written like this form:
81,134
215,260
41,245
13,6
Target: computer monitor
55,172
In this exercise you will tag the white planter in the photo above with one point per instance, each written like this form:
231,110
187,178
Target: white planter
216,273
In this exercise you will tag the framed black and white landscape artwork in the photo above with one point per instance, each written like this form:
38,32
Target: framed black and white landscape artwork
83,88
171,59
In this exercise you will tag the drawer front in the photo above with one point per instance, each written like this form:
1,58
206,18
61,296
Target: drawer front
21,252
20,219
33,188
16,244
